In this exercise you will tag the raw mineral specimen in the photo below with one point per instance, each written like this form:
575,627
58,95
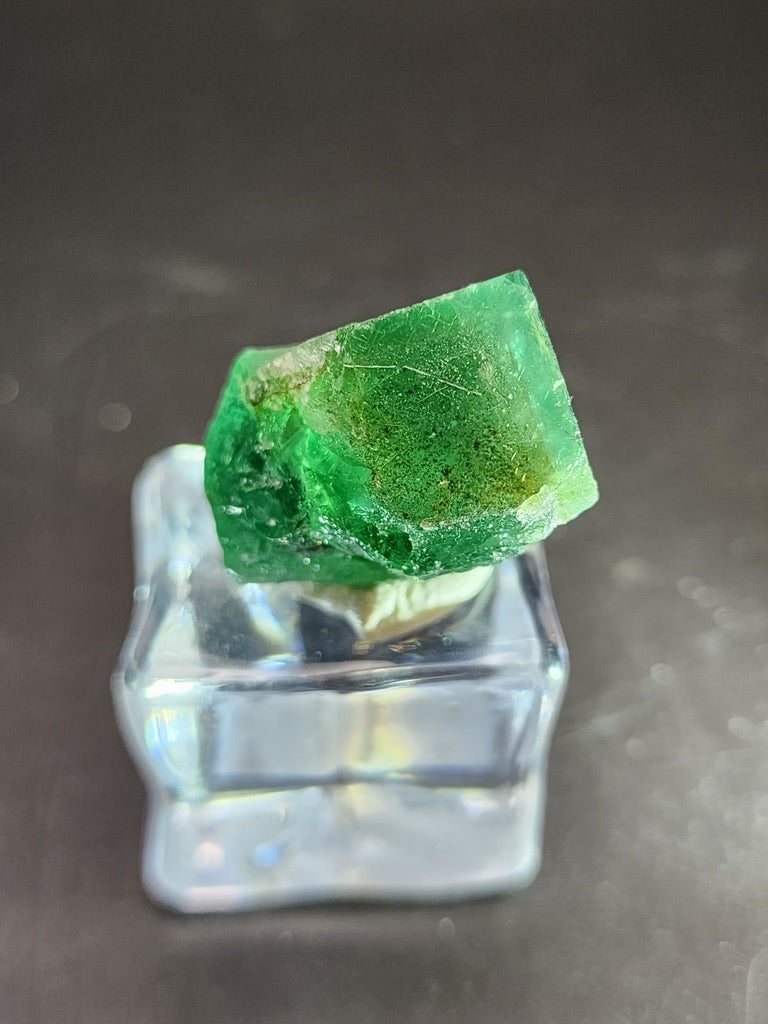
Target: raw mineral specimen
432,439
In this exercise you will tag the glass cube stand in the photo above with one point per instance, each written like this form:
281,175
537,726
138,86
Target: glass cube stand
292,755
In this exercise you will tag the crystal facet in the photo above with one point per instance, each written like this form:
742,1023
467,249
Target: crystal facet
430,440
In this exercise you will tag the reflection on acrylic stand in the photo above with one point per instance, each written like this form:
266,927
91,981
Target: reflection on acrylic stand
291,757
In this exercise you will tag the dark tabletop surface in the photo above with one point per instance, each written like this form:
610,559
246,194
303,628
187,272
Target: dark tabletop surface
179,180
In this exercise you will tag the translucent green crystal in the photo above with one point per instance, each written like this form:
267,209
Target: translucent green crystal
430,440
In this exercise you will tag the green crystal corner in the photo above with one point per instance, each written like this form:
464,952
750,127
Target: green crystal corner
432,439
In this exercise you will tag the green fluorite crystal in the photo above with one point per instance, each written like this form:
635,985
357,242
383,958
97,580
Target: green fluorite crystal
430,440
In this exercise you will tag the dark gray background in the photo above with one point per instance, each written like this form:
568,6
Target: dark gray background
179,180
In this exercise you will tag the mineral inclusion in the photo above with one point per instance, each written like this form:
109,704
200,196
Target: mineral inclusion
430,440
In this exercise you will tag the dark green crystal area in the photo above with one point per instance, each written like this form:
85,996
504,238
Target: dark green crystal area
430,440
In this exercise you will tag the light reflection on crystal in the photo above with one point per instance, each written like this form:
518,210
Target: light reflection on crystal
430,440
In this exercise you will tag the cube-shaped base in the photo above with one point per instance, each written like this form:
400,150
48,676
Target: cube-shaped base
305,743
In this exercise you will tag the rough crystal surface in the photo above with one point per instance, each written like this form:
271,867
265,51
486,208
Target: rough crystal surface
432,439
